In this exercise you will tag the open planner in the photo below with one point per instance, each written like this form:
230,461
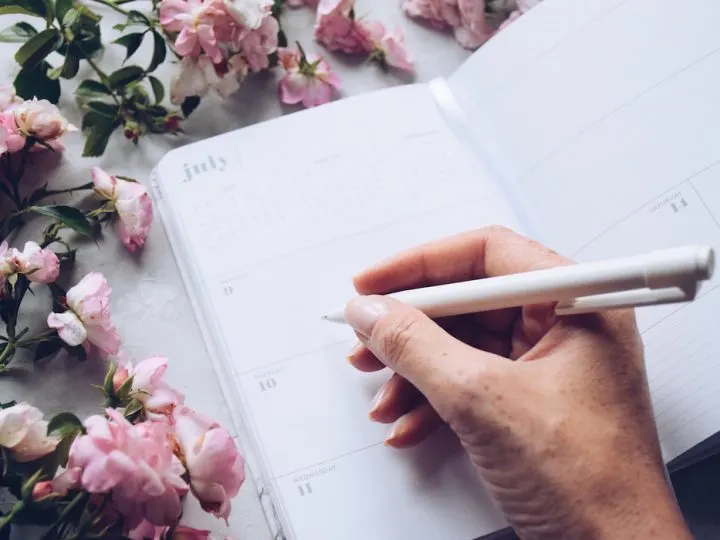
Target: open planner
592,126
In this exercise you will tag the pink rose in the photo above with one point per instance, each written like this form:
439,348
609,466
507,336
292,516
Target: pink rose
309,80
439,13
196,22
88,317
135,464
12,140
258,44
39,265
159,399
337,29
23,431
216,468
133,207
40,119
389,47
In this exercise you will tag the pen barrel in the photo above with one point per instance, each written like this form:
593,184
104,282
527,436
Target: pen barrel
675,267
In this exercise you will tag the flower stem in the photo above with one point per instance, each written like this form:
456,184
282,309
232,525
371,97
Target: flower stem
112,5
36,339
103,76
16,509
51,192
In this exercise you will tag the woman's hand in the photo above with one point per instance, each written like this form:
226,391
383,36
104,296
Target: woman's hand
554,412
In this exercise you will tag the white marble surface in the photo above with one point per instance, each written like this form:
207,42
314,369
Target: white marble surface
150,306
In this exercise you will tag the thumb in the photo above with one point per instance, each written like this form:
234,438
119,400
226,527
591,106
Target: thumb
412,345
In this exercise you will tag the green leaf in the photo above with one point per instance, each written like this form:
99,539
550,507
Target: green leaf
36,8
135,18
157,88
34,82
19,32
108,382
159,51
91,89
71,66
91,119
54,73
47,348
61,8
38,47
189,105
11,354
99,135
68,216
63,423
125,76
131,42
123,393
106,109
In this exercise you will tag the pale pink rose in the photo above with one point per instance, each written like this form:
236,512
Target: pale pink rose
23,431
13,140
308,80
133,207
8,97
197,76
66,480
216,468
249,14
258,44
196,21
337,29
135,464
159,399
88,317
39,265
389,47
40,119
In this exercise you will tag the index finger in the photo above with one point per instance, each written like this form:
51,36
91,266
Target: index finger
487,252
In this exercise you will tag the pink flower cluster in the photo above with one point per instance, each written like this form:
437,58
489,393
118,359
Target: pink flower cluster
36,119
148,467
338,29
220,42
467,18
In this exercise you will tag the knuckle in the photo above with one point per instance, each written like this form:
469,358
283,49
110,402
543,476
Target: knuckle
396,335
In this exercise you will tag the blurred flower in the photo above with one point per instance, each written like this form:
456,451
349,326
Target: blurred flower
11,138
132,204
42,489
135,464
337,29
23,431
88,317
215,466
511,18
389,47
40,119
39,265
309,80
148,531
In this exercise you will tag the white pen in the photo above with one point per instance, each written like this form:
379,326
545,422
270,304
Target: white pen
659,277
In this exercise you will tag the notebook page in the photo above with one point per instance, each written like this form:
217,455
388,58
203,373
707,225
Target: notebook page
276,219
613,134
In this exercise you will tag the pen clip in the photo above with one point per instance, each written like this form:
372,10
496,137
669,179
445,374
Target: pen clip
627,299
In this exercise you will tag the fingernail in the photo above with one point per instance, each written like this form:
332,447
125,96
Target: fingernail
363,313
377,400
392,437
355,350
